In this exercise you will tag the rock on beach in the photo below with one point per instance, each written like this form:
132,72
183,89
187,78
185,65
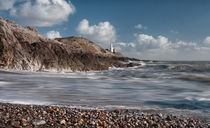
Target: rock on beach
39,122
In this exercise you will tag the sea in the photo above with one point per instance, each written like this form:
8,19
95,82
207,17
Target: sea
177,87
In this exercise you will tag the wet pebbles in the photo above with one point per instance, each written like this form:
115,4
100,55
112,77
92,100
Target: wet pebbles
49,116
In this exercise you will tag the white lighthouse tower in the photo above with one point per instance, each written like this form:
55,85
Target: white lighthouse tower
111,48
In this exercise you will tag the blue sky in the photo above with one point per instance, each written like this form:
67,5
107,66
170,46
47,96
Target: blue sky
167,29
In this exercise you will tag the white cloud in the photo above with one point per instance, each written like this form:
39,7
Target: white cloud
207,40
42,12
184,45
6,4
53,34
122,46
161,48
139,26
104,32
149,42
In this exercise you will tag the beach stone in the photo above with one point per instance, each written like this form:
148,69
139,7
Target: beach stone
69,123
99,122
92,123
7,115
24,122
28,118
117,111
15,124
166,124
105,124
151,122
185,121
156,125
39,122
44,112
160,115
169,118
63,122
98,111
81,121
101,118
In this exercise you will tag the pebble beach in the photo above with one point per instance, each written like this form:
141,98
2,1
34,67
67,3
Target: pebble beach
21,116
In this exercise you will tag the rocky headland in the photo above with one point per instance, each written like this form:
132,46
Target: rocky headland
26,49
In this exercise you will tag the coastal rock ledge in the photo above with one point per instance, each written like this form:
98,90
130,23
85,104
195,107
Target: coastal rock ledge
26,49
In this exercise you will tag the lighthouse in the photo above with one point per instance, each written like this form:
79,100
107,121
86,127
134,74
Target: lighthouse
111,48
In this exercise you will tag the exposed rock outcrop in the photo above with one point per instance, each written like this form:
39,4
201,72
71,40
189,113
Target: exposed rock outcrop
26,49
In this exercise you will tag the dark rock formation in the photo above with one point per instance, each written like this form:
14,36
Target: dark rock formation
26,49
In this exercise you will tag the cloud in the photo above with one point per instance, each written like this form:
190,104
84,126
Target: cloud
6,4
174,31
161,48
139,26
207,40
149,42
42,13
53,34
103,33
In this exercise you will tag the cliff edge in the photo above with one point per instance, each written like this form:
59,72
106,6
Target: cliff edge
26,49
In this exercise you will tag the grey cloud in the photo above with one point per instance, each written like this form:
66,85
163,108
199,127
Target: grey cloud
6,4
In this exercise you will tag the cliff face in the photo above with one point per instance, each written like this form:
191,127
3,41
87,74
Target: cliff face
26,49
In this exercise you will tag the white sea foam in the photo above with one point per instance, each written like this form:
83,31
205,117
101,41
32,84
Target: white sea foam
26,102
198,98
3,83
115,68
142,63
